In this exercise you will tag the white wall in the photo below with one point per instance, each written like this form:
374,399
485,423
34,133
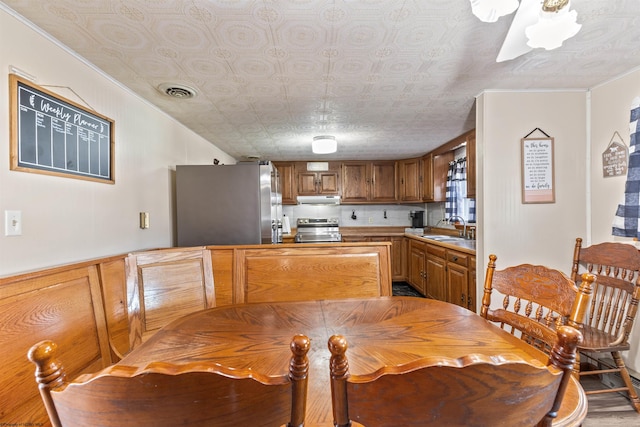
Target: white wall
610,106
610,111
530,233
67,220
582,125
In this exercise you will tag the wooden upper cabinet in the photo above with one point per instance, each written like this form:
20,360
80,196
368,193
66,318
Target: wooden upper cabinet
427,178
369,182
410,180
287,182
440,170
383,181
446,153
471,164
311,183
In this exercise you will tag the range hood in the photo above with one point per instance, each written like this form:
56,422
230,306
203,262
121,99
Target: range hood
318,200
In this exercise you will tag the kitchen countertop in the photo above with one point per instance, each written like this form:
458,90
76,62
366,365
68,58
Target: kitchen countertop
463,245
467,246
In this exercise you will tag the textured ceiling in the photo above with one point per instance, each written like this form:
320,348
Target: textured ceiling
389,78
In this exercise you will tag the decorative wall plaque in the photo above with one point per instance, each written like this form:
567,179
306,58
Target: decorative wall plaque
537,171
615,158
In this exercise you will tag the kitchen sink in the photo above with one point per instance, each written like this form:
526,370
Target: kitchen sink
443,238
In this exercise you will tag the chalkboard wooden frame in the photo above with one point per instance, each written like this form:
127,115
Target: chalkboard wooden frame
538,177
52,135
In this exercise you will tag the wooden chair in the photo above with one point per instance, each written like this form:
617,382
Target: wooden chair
613,308
162,394
166,284
535,301
446,392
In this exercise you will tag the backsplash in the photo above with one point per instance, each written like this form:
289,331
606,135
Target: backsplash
366,215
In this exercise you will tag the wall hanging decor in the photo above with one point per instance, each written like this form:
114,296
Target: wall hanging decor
55,136
615,157
538,184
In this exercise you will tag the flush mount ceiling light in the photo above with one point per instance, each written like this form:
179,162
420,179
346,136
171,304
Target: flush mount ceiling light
536,24
177,90
324,144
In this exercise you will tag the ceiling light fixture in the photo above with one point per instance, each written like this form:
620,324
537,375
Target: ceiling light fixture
536,24
556,23
491,10
324,144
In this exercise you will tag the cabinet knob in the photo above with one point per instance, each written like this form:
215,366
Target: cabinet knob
462,299
455,258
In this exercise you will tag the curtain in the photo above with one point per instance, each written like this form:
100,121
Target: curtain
456,192
625,222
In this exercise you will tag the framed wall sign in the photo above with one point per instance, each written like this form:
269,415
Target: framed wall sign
538,184
55,136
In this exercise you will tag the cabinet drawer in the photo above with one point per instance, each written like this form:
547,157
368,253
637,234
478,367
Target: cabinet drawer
472,263
458,258
438,251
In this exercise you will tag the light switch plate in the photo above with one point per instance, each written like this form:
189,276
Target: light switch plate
12,223
144,220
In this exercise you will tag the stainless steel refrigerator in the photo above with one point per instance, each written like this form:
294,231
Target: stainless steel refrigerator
236,204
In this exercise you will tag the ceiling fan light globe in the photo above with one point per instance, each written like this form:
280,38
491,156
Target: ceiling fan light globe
552,29
324,144
491,10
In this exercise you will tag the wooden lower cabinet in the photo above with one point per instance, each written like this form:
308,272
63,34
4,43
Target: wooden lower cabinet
416,274
398,252
443,274
437,273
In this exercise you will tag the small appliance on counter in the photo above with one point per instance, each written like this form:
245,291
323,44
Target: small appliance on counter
417,219
317,230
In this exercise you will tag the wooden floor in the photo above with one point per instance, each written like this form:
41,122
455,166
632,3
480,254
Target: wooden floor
608,409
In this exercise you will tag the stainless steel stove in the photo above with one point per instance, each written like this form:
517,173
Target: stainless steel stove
317,230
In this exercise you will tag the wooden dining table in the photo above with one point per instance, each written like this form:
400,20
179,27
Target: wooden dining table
381,331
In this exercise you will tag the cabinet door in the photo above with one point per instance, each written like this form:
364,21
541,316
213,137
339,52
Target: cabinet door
307,185
427,178
436,286
328,183
287,183
416,266
383,182
409,183
471,164
458,279
440,170
398,256
355,182
471,296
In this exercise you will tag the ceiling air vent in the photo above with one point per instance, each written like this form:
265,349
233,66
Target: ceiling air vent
177,90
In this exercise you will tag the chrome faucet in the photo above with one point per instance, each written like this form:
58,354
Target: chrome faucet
464,224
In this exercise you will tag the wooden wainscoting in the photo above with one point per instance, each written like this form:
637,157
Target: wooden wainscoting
62,304
83,306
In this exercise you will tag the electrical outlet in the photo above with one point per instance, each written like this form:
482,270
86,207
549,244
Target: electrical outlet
12,223
370,220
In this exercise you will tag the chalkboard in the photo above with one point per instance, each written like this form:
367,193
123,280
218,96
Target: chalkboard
537,170
53,135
